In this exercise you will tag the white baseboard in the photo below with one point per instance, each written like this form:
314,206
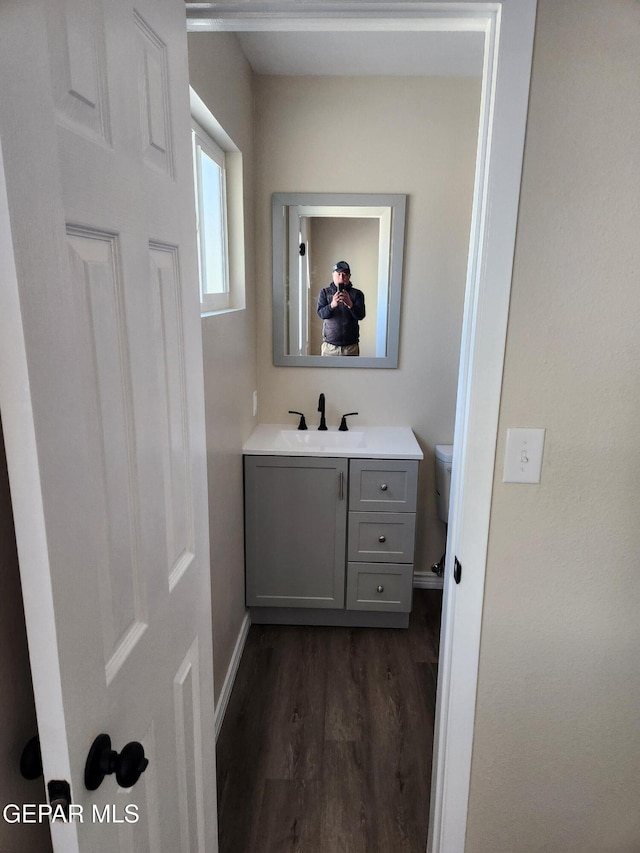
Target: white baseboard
227,687
427,580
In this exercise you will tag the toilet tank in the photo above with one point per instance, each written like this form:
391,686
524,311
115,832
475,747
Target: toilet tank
444,458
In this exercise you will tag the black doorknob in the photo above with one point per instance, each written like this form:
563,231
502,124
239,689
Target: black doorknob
31,759
128,765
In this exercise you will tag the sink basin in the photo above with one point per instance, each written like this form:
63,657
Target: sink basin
316,440
367,442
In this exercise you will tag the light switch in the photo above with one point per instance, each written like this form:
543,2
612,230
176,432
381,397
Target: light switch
523,456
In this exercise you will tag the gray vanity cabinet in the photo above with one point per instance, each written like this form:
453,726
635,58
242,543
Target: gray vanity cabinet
295,531
330,541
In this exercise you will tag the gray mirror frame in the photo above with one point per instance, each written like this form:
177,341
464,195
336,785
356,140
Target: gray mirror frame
279,203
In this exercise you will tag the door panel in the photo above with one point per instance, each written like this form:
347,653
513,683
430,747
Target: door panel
101,395
169,343
96,273
77,58
190,749
156,129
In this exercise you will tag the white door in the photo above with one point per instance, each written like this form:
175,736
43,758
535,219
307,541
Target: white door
101,401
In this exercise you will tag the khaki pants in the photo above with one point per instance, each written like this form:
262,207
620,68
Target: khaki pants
331,349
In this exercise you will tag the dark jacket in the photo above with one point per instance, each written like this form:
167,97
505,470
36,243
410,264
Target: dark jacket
340,325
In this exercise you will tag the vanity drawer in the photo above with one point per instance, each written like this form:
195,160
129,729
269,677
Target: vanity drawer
379,587
383,485
381,537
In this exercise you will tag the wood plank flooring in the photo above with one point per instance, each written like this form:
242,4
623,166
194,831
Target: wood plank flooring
327,739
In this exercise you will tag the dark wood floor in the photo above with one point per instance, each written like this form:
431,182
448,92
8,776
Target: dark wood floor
327,739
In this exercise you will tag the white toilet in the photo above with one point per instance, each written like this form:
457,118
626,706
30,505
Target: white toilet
444,459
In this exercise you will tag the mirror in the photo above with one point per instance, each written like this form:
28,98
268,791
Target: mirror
311,233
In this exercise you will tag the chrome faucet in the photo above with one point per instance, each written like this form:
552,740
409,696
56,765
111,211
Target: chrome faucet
323,423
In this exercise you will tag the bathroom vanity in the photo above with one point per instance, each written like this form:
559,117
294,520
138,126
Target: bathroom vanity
330,525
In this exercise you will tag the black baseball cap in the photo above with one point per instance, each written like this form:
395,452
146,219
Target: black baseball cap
342,266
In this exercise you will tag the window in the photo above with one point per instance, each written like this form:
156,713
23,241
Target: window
211,220
218,176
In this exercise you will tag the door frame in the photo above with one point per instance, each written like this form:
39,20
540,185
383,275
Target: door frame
508,27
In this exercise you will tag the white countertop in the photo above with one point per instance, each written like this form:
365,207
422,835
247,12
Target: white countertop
356,443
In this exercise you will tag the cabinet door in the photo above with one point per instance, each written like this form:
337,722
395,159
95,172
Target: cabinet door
295,531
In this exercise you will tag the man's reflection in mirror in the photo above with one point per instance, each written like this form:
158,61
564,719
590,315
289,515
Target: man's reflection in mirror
341,307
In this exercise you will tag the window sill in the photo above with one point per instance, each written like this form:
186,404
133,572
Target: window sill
215,313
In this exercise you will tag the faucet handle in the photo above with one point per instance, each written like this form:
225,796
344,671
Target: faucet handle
303,423
343,423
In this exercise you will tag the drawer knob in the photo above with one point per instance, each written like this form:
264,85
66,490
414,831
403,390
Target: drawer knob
383,487
382,538
379,588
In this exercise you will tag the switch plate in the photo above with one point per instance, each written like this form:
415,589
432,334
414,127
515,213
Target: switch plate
255,403
523,456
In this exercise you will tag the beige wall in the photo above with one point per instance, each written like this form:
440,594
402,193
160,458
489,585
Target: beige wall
17,709
556,749
394,135
222,78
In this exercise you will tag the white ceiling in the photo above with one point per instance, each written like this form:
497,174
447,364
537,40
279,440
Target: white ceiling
339,53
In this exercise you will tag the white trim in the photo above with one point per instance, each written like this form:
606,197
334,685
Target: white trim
344,15
230,677
509,44
204,144
508,26
209,123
